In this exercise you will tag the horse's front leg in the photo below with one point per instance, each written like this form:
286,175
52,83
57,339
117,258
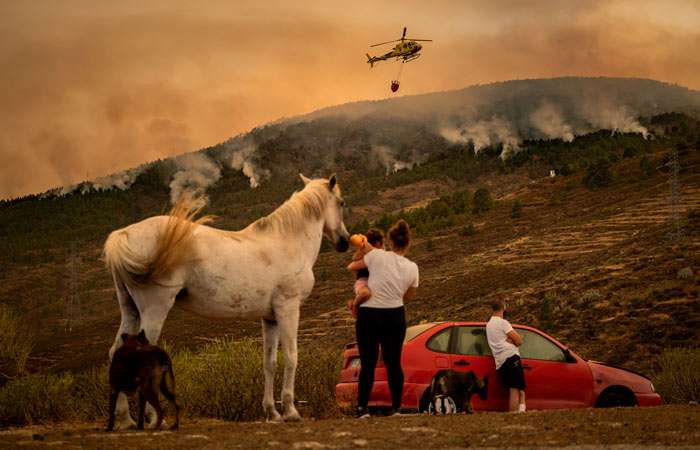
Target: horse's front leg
271,337
288,321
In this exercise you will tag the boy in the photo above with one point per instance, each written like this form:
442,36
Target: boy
504,342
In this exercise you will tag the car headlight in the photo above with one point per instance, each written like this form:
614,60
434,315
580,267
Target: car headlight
651,385
354,364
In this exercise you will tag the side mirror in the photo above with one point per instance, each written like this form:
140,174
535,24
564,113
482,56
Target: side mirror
568,357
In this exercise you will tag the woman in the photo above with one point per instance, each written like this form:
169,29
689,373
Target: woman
381,320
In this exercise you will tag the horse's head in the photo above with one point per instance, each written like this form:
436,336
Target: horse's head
333,226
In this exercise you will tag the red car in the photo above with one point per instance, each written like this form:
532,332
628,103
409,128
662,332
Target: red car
556,377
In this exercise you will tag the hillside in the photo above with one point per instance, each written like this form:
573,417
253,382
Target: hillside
587,261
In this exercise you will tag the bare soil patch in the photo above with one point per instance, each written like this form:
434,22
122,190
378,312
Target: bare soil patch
589,428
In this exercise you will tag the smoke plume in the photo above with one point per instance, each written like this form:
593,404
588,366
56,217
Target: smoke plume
548,119
120,180
388,160
239,154
485,133
196,172
603,113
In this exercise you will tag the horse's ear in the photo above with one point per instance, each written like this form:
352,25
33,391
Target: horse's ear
304,179
332,181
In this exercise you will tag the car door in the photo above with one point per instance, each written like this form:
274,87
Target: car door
553,380
470,352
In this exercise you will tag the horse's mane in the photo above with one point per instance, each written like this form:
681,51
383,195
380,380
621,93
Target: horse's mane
302,205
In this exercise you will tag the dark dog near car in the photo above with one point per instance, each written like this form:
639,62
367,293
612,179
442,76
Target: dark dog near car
139,366
460,386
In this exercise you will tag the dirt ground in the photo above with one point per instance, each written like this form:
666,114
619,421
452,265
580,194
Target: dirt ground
666,426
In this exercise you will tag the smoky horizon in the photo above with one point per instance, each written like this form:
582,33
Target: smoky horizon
94,89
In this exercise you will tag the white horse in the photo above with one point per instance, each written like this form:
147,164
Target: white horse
264,271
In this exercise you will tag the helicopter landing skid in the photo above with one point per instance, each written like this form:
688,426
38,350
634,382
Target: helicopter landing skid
411,58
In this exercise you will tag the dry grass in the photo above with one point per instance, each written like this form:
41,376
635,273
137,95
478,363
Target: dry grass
678,381
223,380
16,341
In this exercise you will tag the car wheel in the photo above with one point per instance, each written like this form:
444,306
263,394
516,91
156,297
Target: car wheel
424,405
616,396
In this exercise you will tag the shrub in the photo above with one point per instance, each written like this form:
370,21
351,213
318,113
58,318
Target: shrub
482,200
90,391
211,382
589,297
37,398
598,175
517,210
317,376
16,341
646,167
678,380
545,314
224,379
468,230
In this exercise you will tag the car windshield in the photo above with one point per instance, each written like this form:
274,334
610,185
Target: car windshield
414,331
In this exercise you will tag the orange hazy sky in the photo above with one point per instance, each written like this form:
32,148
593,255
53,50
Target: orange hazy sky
89,88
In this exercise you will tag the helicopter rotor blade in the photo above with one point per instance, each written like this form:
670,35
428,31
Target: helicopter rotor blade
420,40
387,42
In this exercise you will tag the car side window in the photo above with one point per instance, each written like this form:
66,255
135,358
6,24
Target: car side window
536,346
472,341
441,341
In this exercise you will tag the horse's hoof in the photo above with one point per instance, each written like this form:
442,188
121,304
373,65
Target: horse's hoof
274,417
153,424
292,416
126,424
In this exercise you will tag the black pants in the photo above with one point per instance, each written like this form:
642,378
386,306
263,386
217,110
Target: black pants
377,327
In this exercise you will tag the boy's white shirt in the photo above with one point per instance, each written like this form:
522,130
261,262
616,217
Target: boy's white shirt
497,330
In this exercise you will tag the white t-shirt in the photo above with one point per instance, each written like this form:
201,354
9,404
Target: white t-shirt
497,330
390,276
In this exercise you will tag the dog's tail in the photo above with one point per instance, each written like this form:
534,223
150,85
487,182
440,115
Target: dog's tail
167,385
167,388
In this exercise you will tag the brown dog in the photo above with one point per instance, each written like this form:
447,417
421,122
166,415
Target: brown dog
139,366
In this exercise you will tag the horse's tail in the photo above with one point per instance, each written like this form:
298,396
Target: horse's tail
171,248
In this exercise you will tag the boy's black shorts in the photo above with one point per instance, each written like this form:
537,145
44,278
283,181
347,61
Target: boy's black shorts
512,373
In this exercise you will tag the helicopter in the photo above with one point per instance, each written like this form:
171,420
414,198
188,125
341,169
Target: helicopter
407,50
